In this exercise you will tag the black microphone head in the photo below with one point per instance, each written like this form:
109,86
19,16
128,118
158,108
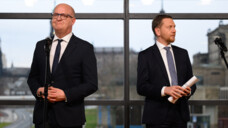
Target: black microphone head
218,41
48,40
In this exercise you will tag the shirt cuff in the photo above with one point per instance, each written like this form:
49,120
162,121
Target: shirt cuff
65,96
163,91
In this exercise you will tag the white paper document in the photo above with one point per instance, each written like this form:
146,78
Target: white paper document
189,83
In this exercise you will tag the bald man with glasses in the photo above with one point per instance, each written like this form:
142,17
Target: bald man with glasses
73,74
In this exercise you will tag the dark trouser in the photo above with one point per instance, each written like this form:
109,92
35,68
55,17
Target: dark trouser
172,120
52,122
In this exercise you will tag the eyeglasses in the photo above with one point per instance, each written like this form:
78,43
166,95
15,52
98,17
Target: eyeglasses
62,16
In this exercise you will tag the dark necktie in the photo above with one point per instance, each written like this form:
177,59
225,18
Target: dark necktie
171,66
56,57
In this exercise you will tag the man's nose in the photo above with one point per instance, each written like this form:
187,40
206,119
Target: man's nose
59,17
174,29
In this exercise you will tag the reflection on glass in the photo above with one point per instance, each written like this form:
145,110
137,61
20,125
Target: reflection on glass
197,36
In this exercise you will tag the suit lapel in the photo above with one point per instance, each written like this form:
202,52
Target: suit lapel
70,48
159,60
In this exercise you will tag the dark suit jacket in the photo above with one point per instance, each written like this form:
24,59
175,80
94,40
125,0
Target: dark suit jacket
152,76
76,75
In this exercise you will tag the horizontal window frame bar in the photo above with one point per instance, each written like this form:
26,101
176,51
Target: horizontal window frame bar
116,102
191,102
192,16
48,16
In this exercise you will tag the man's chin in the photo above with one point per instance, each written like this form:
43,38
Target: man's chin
58,29
171,41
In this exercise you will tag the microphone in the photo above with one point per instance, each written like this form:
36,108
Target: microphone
48,42
218,41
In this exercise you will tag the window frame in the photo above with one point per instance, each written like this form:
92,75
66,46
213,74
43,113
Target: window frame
126,17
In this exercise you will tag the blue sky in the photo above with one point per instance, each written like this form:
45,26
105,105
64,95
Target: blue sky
20,36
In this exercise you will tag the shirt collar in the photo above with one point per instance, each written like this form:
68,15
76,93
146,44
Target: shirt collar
161,46
65,38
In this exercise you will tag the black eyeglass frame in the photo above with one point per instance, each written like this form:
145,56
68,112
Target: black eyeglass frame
62,15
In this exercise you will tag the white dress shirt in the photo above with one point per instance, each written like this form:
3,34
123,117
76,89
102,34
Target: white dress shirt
64,44
164,58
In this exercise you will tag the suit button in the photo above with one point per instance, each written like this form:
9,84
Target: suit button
52,82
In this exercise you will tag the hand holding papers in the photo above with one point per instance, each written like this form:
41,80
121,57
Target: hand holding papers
189,83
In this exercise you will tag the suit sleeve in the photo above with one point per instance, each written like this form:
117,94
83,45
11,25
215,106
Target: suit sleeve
144,87
89,78
34,76
190,74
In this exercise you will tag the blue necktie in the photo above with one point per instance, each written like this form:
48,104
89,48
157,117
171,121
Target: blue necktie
56,57
171,66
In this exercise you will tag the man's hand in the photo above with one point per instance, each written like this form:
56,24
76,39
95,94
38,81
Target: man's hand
188,91
177,91
55,95
40,92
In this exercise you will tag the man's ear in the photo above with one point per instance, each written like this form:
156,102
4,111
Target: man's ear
157,31
73,21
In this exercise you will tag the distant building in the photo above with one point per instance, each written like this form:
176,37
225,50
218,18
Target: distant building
13,79
110,63
210,67
213,74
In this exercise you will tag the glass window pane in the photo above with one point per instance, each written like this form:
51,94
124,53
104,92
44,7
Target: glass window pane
18,40
197,36
18,43
178,6
104,116
204,116
47,6
96,116
213,116
107,38
16,116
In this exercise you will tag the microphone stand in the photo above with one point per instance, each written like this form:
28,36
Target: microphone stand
46,84
224,58
222,47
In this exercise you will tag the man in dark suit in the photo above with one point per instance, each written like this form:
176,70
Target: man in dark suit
162,70
73,74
